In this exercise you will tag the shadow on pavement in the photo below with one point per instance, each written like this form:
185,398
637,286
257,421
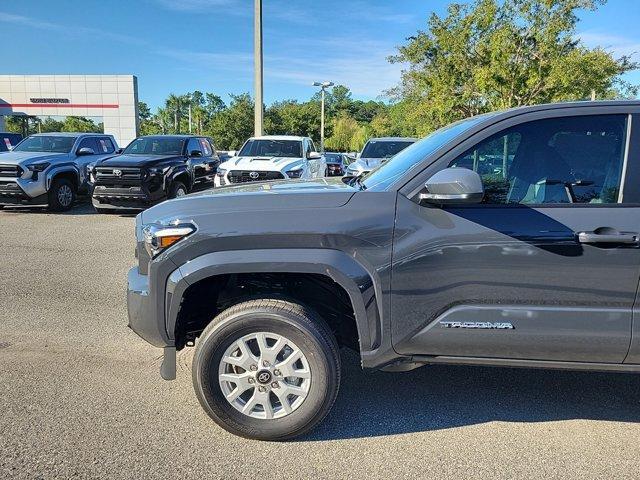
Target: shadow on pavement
82,207
372,404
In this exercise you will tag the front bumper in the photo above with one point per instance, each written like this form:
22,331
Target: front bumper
121,198
11,193
141,310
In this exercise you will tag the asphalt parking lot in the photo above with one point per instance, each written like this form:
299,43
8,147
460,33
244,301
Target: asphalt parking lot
81,395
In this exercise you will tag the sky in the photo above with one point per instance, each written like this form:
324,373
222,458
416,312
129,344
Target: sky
177,46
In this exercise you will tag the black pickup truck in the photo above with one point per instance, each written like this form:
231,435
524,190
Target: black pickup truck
152,169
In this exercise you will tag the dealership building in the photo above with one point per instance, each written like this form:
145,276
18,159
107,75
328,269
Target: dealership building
113,99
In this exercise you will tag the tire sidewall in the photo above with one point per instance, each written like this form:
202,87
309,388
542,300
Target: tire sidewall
211,348
54,203
175,186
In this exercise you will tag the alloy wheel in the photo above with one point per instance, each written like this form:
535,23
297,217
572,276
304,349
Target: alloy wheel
264,375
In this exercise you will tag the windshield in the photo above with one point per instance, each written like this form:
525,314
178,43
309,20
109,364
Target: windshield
382,177
155,146
333,157
272,148
383,148
48,143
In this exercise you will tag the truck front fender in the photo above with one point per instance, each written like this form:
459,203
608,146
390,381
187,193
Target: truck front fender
62,168
361,285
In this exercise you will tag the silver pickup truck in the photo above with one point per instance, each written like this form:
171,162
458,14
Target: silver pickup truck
51,168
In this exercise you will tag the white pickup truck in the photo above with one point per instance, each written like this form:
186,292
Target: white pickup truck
272,157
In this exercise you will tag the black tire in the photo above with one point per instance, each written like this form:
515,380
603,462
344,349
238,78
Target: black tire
176,188
62,195
102,211
297,323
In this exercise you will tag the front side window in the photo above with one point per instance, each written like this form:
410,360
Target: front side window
194,146
552,161
46,143
105,145
155,146
206,147
88,143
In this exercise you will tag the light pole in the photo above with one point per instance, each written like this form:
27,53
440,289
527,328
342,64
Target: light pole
257,67
323,86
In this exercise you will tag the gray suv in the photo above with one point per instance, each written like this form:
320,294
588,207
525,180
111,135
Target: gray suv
507,239
51,168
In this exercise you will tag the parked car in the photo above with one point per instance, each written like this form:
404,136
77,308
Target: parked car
272,157
152,169
429,262
9,140
51,168
336,163
375,152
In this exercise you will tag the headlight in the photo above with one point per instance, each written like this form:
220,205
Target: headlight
38,167
158,238
295,173
221,172
90,176
158,170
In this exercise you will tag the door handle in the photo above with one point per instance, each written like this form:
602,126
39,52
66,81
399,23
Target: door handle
608,237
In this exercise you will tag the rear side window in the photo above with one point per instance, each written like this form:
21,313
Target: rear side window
551,161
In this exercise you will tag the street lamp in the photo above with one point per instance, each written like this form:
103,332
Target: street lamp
323,86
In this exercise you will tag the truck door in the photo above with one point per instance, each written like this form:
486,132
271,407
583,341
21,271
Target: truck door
546,268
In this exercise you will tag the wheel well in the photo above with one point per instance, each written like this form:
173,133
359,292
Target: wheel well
71,176
182,177
203,300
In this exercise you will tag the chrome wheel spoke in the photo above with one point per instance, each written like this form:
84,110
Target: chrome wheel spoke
261,364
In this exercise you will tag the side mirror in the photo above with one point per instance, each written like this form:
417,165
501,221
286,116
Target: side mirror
232,153
313,156
85,151
453,186
119,151
358,155
195,153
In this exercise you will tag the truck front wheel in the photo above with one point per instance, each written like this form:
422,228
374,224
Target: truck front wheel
62,195
267,369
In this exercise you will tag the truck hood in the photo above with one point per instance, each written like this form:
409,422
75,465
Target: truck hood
291,195
23,158
136,160
261,164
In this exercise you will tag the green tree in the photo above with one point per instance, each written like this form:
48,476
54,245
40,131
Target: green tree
231,126
80,124
345,128
292,118
497,54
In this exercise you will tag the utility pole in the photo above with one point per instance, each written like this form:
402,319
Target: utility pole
257,67
189,118
323,86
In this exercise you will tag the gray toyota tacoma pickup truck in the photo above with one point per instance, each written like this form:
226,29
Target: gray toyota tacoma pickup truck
507,239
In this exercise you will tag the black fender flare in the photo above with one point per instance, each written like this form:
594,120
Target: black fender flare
361,285
62,168
177,171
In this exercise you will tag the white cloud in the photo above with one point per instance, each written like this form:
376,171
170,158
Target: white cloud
618,45
65,29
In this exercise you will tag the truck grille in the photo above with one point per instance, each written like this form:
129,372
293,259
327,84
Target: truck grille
13,171
109,176
244,176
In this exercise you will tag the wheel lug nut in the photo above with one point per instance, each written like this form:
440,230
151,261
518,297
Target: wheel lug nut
276,372
253,368
262,389
275,385
251,380
266,364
